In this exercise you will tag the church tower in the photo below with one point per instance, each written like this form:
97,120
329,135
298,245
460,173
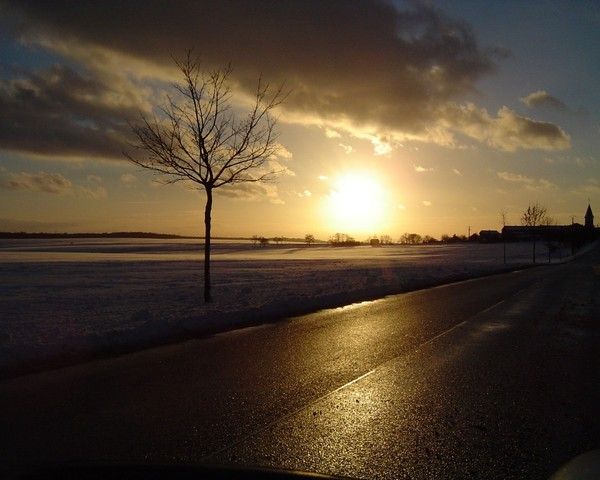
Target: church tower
589,217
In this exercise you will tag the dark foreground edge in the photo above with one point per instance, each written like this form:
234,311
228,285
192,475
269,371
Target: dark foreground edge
144,472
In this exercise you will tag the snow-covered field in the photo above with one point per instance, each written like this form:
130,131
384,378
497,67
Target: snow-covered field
72,299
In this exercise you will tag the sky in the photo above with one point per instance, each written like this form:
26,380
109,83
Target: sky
428,117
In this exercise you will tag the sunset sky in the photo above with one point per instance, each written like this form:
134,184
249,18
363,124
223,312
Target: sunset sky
425,117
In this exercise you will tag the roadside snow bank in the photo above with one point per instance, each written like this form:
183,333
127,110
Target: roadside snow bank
64,302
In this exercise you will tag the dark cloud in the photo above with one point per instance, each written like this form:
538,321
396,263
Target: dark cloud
61,112
365,60
369,67
541,98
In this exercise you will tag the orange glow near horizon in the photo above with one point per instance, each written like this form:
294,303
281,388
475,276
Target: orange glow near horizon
356,204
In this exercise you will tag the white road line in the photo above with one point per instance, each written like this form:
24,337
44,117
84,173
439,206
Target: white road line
307,406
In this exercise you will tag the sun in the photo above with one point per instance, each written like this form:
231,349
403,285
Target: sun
356,203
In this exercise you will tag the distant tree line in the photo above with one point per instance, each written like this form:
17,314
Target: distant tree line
308,239
25,235
416,239
343,240
259,240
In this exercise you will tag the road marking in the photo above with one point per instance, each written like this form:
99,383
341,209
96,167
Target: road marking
445,332
351,382
494,305
308,405
439,335
285,417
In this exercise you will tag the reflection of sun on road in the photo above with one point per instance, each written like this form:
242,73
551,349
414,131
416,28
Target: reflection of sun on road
356,204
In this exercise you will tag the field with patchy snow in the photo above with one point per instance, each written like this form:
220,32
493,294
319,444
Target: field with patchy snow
66,300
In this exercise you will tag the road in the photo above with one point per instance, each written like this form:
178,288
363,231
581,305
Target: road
490,378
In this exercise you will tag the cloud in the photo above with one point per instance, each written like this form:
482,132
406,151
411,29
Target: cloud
323,178
590,187
305,194
330,133
529,183
52,183
508,131
95,193
60,112
281,152
45,182
457,172
427,203
347,148
377,70
541,98
401,206
128,179
254,192
273,167
94,179
371,63
514,177
381,147
420,169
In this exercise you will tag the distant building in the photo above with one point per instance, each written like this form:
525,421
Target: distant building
490,236
546,232
589,217
574,233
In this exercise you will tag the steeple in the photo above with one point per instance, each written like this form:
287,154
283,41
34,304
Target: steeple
589,217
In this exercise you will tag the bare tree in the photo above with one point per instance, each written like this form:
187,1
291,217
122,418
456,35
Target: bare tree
309,239
411,239
534,216
341,239
385,240
198,138
548,221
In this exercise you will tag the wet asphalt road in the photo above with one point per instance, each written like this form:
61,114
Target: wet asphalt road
490,378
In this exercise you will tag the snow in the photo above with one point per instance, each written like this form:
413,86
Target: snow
67,300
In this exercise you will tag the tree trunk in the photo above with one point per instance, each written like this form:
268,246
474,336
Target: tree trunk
207,211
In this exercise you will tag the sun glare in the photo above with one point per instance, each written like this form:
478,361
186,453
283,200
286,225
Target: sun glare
356,204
